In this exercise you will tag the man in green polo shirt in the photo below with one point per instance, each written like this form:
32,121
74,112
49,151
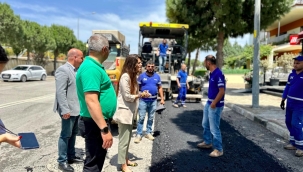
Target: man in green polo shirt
98,103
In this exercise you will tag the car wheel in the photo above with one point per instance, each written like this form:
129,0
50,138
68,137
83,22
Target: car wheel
43,78
23,78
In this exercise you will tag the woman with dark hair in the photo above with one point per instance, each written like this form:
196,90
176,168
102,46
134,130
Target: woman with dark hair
128,95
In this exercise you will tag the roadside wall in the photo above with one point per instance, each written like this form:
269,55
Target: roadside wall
23,61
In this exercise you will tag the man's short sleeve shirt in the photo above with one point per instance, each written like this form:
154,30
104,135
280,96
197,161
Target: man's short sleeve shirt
182,75
91,77
150,83
163,48
216,81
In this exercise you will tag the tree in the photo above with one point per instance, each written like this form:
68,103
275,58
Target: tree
196,61
81,46
221,19
9,23
64,40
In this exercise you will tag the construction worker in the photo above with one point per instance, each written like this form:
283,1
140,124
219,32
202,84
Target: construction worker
162,56
294,107
182,85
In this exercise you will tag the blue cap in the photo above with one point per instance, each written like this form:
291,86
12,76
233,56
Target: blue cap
299,58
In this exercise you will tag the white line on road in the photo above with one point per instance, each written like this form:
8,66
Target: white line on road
26,101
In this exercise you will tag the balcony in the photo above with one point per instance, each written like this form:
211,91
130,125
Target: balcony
298,2
282,39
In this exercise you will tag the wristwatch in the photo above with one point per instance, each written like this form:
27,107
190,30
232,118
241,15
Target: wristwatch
104,130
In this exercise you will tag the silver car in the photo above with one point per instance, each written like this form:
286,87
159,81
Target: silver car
24,73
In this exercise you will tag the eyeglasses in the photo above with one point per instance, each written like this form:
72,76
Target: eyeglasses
109,48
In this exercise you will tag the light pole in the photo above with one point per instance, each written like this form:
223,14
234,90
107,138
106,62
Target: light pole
255,83
78,25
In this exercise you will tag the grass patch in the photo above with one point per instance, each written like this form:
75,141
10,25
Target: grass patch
235,71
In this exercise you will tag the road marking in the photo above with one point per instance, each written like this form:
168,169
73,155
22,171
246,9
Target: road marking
26,101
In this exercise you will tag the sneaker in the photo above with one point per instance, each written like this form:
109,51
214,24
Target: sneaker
149,137
216,153
184,106
176,105
299,153
290,147
138,139
203,145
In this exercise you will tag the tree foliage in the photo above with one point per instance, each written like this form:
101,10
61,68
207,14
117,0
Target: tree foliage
35,39
213,21
9,23
64,40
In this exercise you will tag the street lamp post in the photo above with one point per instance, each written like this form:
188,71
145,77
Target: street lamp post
78,29
255,83
78,22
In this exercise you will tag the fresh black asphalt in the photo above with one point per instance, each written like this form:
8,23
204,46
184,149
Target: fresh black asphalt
178,131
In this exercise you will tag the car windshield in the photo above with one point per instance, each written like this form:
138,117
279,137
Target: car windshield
20,68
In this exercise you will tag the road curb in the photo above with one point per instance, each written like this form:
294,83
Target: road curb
271,126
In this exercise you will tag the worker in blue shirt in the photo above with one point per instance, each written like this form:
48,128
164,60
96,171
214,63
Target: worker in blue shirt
182,85
162,55
294,107
213,108
149,85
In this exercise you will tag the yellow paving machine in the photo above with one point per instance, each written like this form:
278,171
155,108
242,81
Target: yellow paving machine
150,36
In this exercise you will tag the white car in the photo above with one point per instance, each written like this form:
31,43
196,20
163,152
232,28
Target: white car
24,73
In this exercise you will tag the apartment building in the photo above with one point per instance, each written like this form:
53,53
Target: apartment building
285,34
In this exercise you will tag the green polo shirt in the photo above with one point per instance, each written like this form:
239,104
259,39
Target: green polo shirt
92,77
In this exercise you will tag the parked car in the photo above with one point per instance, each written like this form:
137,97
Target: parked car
24,73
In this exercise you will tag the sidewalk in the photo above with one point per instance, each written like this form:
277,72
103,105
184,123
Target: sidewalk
269,114
140,153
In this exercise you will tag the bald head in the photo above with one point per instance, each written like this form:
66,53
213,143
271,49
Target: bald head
73,52
75,57
183,66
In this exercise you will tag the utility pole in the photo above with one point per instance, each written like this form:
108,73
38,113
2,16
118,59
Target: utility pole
78,29
255,83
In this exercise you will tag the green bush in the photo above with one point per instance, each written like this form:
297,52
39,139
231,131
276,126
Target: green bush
200,72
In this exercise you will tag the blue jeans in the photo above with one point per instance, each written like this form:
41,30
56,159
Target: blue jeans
162,62
149,107
294,123
181,95
67,139
211,125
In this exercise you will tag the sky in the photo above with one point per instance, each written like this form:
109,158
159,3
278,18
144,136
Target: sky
122,15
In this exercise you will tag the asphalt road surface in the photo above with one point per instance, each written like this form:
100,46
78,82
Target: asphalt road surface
27,107
247,145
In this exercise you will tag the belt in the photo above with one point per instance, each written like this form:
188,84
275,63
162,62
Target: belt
211,100
87,119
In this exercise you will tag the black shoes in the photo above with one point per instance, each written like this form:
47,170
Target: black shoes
65,167
76,159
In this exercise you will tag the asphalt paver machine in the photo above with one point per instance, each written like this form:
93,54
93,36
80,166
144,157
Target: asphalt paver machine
150,36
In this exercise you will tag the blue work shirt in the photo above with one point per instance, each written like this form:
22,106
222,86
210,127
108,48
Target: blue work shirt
163,48
182,75
216,81
150,83
293,90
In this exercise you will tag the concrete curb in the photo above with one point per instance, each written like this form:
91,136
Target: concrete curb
271,126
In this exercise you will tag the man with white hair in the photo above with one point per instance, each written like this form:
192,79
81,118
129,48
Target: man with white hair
67,105
98,103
